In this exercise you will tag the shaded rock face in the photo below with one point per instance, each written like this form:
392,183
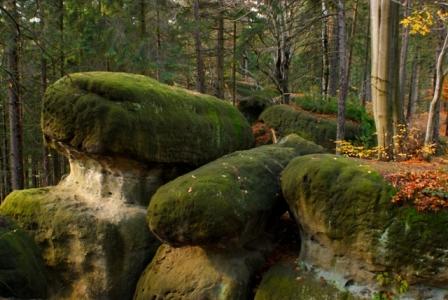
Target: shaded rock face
92,249
287,281
22,272
197,273
286,120
135,116
227,202
350,226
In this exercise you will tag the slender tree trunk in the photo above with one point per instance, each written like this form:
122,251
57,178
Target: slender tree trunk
343,72
6,178
333,38
366,87
12,57
404,54
384,25
220,54
234,66
351,38
159,40
430,127
325,57
200,69
142,19
414,89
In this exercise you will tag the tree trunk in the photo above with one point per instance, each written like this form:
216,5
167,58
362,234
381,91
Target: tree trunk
351,38
366,86
404,54
200,69
12,57
234,66
384,24
219,92
334,57
430,127
343,82
159,40
325,57
414,89
6,178
142,19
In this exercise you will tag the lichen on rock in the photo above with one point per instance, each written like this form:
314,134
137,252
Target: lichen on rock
135,116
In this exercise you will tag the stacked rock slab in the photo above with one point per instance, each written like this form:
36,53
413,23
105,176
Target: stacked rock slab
22,272
351,228
124,136
217,215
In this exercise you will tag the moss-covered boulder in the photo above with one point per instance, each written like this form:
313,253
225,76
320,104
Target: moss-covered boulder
196,273
226,202
349,224
286,281
285,120
22,272
92,249
137,117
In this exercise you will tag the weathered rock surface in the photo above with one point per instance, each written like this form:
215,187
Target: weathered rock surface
94,248
350,226
286,120
188,273
227,202
286,281
135,116
22,272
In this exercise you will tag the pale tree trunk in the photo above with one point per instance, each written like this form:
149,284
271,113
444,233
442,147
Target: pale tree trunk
12,64
384,25
366,87
219,92
414,89
200,69
325,57
343,73
404,54
430,127
334,57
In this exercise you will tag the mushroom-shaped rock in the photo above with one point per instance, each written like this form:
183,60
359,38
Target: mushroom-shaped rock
22,272
350,225
138,117
196,273
286,120
225,202
93,248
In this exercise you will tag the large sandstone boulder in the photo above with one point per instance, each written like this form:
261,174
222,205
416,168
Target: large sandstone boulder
350,226
93,249
188,273
285,120
137,117
22,273
227,202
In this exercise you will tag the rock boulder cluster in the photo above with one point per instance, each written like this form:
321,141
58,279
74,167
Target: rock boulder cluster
167,199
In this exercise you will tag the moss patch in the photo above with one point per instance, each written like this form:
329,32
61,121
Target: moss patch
228,201
22,273
285,120
138,117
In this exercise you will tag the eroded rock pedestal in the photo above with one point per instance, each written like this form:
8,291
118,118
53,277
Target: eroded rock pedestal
124,135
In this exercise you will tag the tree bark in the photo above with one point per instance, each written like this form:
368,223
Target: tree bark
15,129
404,54
333,39
351,38
142,18
413,90
219,92
159,40
384,25
343,72
366,86
200,69
234,66
430,127
325,57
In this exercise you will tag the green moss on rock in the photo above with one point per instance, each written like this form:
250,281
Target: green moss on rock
284,281
22,273
92,250
227,201
138,117
285,120
345,209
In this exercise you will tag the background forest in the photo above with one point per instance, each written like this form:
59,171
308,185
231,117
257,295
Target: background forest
310,50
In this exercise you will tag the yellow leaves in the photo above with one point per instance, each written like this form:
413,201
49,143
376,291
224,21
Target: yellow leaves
420,22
